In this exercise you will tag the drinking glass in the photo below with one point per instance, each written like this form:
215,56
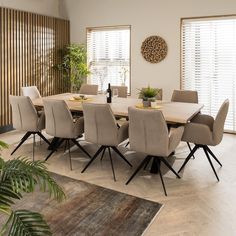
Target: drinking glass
115,93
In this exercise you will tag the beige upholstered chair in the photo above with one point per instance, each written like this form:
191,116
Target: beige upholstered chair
159,95
89,89
31,91
101,128
60,124
122,91
206,131
26,118
188,96
148,133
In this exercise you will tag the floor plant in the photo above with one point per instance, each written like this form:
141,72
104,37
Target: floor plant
18,177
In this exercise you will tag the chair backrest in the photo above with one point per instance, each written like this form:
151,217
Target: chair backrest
218,126
187,96
122,91
99,124
89,89
24,114
31,91
148,132
59,121
158,96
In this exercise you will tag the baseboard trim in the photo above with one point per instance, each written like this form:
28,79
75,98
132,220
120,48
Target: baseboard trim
6,128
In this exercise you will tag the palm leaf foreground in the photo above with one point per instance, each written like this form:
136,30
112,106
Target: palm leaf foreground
19,176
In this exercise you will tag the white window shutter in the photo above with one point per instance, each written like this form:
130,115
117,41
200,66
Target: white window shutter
209,63
109,56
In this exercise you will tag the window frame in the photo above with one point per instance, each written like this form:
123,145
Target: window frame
98,28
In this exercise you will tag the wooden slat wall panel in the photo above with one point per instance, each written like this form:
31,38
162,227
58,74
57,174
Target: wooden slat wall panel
29,49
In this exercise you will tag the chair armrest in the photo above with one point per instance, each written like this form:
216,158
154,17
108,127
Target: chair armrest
41,120
123,132
204,119
79,125
197,133
175,136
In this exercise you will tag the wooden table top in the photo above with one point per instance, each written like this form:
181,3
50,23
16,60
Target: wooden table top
176,112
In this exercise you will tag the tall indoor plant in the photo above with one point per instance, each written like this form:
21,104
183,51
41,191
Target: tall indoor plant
18,176
74,65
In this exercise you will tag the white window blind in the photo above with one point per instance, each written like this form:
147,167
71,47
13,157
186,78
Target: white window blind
209,63
109,56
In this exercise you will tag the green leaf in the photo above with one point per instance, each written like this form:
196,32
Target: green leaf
3,145
28,223
148,92
5,209
22,175
74,64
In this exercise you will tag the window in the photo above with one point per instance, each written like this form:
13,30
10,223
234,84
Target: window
209,63
109,56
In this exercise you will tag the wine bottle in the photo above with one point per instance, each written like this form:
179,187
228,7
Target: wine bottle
109,93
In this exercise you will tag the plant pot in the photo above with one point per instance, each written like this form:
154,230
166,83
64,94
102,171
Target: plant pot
146,103
153,104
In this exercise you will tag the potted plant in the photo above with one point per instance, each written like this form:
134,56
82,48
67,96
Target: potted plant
19,176
148,95
74,65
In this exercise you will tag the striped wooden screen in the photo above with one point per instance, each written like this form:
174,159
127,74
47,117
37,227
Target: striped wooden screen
29,49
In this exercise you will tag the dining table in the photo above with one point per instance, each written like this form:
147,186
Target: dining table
175,113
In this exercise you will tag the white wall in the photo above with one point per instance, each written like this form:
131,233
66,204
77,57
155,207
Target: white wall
43,7
146,17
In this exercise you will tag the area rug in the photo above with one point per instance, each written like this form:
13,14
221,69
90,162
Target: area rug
92,210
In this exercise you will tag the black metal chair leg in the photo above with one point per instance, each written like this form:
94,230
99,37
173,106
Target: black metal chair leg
209,159
103,152
42,136
92,159
112,167
54,143
169,166
25,137
55,149
162,181
188,157
33,145
68,145
121,155
48,156
138,169
190,149
149,159
65,147
212,154
76,143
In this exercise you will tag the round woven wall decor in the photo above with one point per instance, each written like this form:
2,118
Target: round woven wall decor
154,49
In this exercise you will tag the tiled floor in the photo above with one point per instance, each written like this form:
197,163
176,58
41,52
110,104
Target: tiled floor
196,204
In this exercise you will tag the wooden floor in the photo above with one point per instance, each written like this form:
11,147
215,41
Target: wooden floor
196,204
